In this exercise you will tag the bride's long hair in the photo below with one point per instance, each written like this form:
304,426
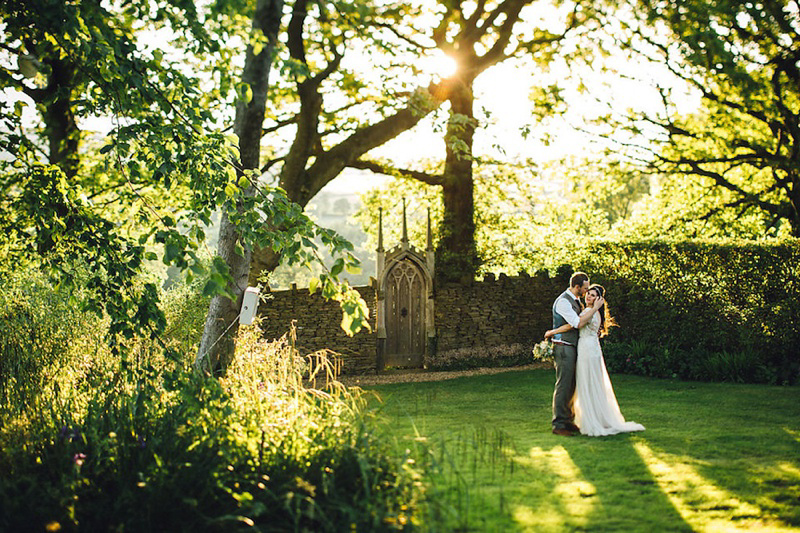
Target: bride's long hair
606,320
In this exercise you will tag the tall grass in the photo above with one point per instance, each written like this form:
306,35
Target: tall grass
41,332
144,444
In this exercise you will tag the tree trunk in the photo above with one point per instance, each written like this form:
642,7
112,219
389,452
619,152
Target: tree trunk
61,129
456,255
217,345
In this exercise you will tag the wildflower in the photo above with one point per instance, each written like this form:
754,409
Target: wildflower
79,459
69,434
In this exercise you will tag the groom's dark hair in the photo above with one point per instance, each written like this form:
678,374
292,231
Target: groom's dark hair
578,279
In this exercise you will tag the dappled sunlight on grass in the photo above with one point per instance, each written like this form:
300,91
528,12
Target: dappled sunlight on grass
702,504
735,468
789,469
570,496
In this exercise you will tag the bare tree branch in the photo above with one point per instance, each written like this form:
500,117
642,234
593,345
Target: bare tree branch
388,170
392,28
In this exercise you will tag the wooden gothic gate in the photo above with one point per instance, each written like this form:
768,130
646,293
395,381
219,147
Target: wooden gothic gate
405,315
404,301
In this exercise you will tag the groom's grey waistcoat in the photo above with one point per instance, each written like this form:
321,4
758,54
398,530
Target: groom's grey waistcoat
570,336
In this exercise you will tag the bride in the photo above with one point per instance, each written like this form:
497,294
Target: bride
597,412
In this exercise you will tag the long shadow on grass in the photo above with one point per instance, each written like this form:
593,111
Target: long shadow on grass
592,484
500,469
726,452
713,455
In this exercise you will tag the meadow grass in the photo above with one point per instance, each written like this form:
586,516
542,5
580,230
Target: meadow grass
714,457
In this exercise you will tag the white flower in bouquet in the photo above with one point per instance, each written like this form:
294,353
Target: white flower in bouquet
543,351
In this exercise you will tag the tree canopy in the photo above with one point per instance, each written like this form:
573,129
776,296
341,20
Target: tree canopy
477,36
161,138
738,156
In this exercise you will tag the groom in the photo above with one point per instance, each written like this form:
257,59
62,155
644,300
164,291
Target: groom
566,310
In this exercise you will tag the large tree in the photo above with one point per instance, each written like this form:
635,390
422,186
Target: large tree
161,136
477,35
336,117
217,345
740,152
81,60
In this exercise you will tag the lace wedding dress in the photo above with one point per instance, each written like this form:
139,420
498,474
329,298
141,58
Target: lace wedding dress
596,409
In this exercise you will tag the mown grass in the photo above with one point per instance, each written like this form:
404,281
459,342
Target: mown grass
714,457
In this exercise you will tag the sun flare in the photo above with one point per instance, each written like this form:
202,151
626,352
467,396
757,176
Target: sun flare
439,64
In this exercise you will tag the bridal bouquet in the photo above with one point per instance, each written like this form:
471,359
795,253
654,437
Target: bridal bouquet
543,351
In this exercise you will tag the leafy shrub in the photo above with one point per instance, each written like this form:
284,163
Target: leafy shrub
736,367
142,443
490,356
671,361
41,332
643,358
185,308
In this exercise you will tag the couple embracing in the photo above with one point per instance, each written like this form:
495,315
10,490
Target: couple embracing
583,401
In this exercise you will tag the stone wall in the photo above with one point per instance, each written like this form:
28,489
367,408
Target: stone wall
492,312
318,326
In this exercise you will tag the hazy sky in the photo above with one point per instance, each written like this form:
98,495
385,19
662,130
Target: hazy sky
504,92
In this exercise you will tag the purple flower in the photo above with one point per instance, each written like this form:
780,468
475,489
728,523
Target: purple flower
142,442
69,434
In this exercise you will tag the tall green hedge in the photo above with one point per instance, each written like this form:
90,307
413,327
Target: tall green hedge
696,302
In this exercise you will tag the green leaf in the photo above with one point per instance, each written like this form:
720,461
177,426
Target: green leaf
347,324
245,92
211,288
337,267
353,268
171,251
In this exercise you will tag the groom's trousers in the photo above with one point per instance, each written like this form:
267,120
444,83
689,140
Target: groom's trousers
565,357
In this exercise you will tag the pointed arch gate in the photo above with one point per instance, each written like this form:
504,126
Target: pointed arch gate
405,315
405,302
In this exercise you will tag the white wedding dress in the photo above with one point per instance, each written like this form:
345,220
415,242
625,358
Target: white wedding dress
596,409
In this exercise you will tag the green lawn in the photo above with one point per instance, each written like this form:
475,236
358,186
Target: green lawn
714,457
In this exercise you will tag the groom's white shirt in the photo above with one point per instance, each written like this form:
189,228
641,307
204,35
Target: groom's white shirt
564,309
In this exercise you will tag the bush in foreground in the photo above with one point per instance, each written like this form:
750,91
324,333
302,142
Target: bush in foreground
144,444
